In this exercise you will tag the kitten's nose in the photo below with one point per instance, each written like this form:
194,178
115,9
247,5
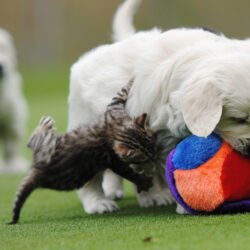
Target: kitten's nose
1,71
248,151
154,155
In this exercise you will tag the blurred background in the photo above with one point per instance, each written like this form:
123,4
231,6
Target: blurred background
50,35
56,32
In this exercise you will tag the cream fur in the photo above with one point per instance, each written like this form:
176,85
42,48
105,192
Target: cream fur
13,109
187,80
123,20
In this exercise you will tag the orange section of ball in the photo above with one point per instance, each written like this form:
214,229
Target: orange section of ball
201,188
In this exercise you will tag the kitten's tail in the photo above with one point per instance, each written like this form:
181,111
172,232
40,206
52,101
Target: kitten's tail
123,20
26,188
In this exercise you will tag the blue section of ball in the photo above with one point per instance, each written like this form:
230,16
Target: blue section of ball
195,151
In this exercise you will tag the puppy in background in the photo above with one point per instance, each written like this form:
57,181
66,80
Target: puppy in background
13,108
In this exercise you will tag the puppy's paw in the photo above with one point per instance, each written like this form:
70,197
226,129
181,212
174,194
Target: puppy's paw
101,206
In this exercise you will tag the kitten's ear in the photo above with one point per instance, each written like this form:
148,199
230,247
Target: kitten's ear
141,120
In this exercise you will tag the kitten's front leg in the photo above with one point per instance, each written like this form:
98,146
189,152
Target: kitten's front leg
158,195
142,181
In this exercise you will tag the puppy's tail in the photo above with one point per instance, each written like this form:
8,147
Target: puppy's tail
123,20
23,193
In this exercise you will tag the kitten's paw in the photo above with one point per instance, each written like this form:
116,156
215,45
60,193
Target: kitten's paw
101,206
155,198
46,123
145,184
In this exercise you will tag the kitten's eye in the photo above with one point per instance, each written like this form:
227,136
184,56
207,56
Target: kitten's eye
121,149
239,120
149,132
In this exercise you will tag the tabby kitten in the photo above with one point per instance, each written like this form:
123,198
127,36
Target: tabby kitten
66,162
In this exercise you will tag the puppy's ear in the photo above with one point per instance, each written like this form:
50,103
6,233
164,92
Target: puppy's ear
201,107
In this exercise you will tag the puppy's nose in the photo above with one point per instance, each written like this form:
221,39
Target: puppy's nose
1,71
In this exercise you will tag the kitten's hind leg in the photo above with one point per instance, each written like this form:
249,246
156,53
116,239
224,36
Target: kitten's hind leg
43,140
40,133
119,100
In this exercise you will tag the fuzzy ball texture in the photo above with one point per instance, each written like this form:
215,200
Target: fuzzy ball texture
206,175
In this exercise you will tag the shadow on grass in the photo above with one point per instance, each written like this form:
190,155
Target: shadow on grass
129,208
66,208
131,211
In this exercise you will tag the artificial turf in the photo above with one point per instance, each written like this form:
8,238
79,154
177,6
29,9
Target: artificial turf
55,220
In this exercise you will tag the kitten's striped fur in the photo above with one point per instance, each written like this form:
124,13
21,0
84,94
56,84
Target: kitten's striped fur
68,161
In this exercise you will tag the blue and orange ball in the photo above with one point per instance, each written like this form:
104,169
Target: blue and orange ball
206,175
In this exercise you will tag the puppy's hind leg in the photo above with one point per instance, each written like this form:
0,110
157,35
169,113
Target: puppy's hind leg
112,185
93,198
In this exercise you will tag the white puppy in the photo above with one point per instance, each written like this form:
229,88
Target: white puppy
187,80
13,110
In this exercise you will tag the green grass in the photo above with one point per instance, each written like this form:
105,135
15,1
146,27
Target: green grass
46,91
54,220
